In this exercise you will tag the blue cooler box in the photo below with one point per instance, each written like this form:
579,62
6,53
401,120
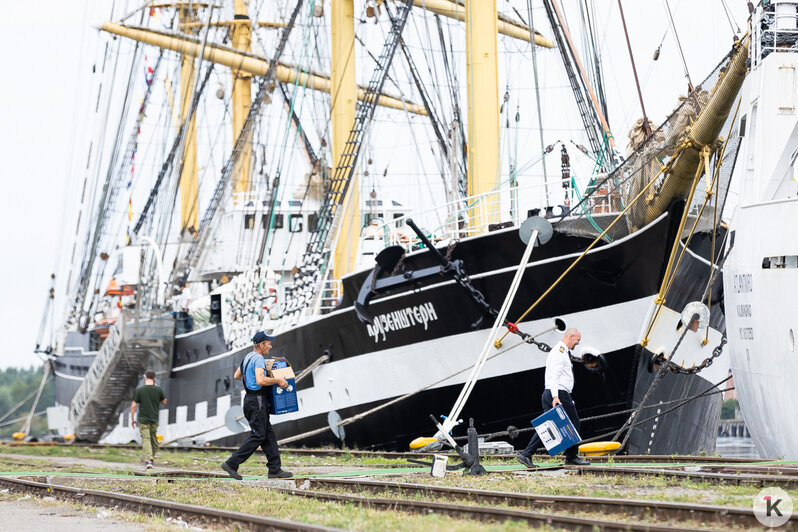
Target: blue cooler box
283,401
555,430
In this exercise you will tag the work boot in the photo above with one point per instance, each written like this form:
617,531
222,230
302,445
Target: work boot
281,474
576,461
526,461
232,472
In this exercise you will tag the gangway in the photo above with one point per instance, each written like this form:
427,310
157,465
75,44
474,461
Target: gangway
134,344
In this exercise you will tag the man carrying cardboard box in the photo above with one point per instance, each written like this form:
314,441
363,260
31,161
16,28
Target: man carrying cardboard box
256,410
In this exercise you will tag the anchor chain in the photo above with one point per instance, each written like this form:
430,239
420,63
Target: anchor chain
675,368
526,337
462,279
543,346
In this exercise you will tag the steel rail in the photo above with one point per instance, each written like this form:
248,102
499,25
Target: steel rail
482,513
719,515
144,505
764,470
785,481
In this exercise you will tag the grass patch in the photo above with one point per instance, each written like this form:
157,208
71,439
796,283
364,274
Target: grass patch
254,499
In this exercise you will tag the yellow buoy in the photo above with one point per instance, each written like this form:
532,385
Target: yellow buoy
599,448
160,438
19,435
69,438
422,442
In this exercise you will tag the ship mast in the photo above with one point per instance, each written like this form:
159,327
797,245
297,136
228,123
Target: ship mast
482,25
241,37
343,103
483,106
188,175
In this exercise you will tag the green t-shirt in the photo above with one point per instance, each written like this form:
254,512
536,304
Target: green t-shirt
148,398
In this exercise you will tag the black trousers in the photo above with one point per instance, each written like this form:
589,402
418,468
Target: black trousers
570,409
256,410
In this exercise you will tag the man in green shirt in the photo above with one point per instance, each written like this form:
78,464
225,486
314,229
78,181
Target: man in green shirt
148,397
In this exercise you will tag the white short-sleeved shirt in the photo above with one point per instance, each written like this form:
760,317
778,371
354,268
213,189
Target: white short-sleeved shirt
559,369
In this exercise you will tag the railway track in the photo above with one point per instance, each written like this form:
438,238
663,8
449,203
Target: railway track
531,509
721,516
737,478
484,513
213,517
143,505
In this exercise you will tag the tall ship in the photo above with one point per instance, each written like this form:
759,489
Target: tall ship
761,279
347,176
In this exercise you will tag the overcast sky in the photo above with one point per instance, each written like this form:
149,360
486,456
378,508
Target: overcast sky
41,71
49,45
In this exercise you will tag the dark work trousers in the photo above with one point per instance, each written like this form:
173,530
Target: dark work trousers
570,409
256,410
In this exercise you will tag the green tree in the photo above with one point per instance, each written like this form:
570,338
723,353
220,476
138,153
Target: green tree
15,385
729,408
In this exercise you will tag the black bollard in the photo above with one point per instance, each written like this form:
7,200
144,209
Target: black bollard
474,468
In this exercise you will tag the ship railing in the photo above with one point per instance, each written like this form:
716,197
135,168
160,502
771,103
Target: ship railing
490,211
775,29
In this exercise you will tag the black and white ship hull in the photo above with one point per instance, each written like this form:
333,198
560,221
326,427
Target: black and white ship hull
424,335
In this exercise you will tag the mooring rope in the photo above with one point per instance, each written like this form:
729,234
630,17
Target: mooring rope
362,415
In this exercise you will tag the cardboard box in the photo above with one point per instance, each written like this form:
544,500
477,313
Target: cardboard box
281,400
555,430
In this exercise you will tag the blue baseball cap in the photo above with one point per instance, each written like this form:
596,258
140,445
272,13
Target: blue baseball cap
261,336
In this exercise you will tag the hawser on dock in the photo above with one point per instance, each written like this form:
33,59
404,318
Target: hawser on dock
294,213
761,280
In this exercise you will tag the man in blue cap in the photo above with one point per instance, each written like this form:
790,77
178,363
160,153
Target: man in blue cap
256,410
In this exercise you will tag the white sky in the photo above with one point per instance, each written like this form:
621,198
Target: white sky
50,45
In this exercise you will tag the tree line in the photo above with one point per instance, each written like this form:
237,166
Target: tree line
15,385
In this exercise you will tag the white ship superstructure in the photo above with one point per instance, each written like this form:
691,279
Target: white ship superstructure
761,272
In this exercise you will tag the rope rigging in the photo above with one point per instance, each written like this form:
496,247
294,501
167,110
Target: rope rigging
277,172
533,48
242,139
93,237
314,261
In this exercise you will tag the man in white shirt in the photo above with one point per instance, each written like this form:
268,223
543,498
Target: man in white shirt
559,380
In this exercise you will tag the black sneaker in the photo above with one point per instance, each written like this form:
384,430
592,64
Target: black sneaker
281,474
576,461
232,472
528,463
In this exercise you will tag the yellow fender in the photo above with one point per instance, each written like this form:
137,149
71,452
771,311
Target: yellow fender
19,436
159,437
599,448
421,442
